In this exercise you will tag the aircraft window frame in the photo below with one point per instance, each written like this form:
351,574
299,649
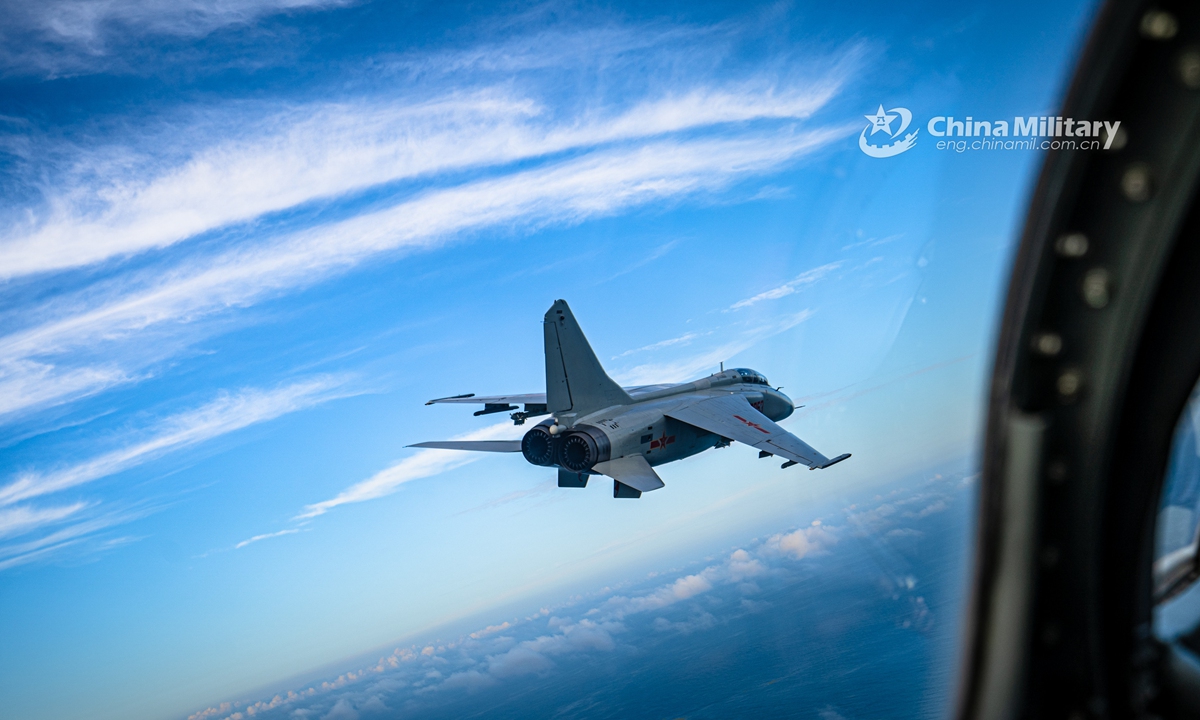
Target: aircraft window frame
751,376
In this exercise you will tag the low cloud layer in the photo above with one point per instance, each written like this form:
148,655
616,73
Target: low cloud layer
615,620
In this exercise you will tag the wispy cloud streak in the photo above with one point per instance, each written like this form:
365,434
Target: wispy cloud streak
425,463
29,383
684,339
227,413
57,37
686,368
486,130
16,520
28,551
265,536
808,277
327,150
570,191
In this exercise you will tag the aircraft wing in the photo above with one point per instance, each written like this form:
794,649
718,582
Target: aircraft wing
632,470
473,445
732,416
535,403
527,398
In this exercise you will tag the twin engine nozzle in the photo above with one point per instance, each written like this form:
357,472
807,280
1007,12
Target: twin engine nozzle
576,449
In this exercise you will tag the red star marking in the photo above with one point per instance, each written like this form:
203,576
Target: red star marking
754,425
663,441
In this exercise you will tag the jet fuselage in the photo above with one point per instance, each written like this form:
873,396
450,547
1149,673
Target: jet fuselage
597,427
576,444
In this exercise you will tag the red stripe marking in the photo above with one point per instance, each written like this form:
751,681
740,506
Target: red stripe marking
756,426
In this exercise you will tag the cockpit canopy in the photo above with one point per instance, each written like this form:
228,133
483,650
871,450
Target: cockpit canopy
751,376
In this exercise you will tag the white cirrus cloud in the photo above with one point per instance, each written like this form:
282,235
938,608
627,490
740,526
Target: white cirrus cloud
686,368
808,277
422,464
28,383
326,150
69,37
16,520
27,551
84,21
265,536
683,339
225,414
565,192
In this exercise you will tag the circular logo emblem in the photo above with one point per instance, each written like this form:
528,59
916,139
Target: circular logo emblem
882,121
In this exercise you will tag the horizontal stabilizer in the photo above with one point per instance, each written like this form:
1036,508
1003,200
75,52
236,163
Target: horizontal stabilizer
631,470
473,445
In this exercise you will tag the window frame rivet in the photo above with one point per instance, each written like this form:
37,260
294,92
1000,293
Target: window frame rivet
1158,25
1069,383
1072,245
1096,288
1136,183
1047,344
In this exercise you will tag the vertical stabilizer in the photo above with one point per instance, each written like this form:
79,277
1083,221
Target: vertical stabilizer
575,380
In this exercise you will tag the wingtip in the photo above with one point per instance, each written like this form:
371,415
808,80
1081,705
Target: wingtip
831,463
451,397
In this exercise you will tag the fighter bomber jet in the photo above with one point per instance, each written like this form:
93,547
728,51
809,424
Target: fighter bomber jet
597,427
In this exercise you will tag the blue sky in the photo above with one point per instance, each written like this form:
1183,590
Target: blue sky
243,242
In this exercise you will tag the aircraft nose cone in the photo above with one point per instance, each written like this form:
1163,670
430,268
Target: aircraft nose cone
787,407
